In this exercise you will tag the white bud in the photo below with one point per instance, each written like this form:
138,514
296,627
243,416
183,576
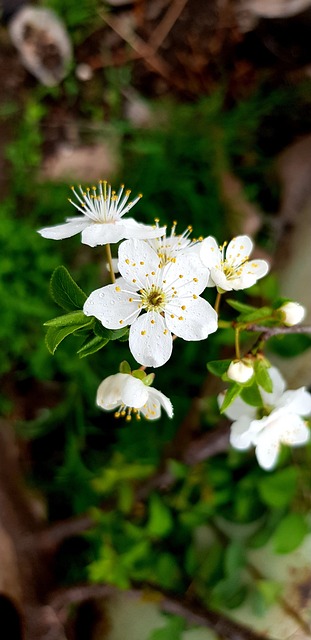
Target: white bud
292,313
240,370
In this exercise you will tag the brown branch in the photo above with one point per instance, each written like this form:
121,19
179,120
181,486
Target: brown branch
270,332
162,30
193,612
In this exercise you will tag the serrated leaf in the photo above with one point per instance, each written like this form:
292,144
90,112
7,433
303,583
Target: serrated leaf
262,376
75,317
232,392
55,335
218,367
259,315
91,346
65,291
251,395
290,533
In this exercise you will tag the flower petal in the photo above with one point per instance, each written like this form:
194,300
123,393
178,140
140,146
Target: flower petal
157,396
109,391
239,249
251,272
149,341
134,229
294,431
134,392
187,274
192,321
112,306
138,262
240,434
297,401
267,451
66,230
210,253
99,233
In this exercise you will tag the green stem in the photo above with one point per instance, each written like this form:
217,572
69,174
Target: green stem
109,259
217,302
237,343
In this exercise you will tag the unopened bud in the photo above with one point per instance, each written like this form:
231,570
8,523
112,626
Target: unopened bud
240,371
292,313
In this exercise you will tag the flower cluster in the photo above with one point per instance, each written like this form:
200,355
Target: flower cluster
280,421
159,296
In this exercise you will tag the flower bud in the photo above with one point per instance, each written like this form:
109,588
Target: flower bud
240,371
292,313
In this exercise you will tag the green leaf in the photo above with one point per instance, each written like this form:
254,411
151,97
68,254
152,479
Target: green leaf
251,395
65,291
75,317
138,373
229,592
231,394
235,557
160,518
290,533
91,346
278,489
218,367
262,375
55,335
240,306
109,334
172,631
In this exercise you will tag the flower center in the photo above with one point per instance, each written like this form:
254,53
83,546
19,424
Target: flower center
153,299
232,271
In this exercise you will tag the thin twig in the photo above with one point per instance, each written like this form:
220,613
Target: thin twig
165,26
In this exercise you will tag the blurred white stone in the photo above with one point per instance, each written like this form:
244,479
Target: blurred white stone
43,43
84,72
248,12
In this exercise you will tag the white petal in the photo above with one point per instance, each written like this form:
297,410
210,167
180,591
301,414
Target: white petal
134,229
138,262
279,386
238,249
66,230
237,408
297,401
99,233
210,253
240,435
294,431
109,391
267,451
195,322
251,272
150,342
112,307
188,275
165,402
220,280
134,392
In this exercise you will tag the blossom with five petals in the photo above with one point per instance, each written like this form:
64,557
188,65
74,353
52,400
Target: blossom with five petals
282,423
168,294
102,220
130,396
230,267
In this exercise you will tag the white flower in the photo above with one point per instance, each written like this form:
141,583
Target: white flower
292,313
102,218
129,395
230,267
169,295
282,424
240,370
168,247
